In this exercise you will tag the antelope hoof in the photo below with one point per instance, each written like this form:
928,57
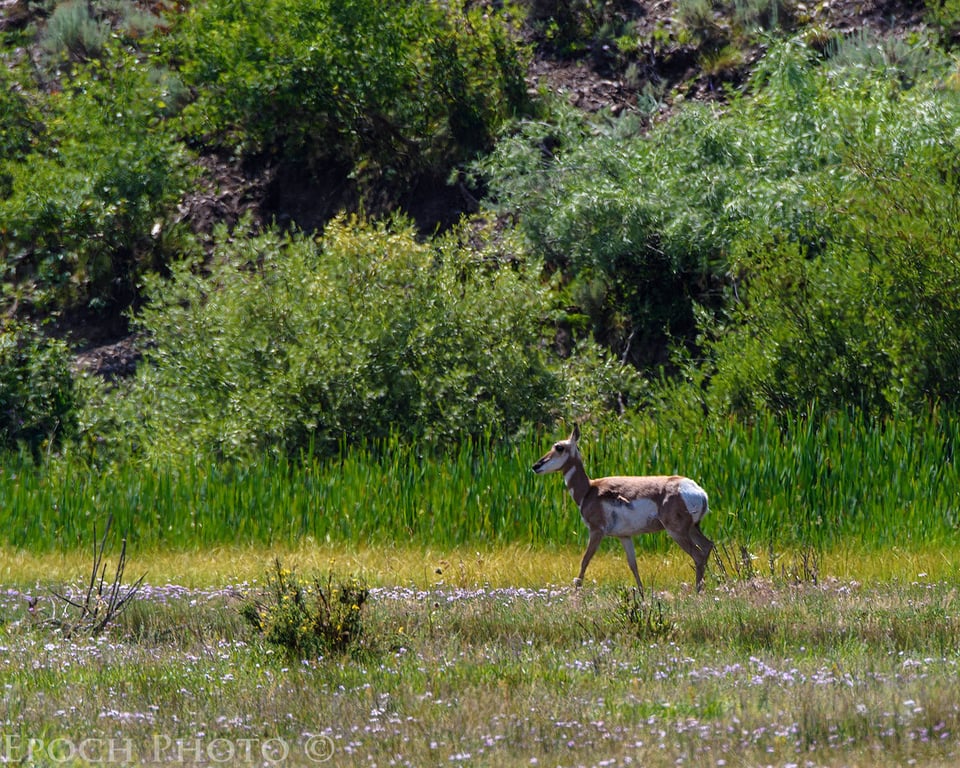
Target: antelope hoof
577,583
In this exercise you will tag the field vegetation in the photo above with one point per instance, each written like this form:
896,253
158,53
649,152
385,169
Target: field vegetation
802,484
371,260
769,671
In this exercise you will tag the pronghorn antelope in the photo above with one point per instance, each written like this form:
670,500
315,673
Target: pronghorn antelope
627,506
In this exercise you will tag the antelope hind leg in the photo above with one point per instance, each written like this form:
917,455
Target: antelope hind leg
696,551
703,547
628,548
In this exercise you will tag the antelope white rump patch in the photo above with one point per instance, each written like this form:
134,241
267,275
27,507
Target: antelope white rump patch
694,497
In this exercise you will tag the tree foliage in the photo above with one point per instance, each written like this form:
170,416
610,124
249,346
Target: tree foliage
792,242
866,313
814,220
90,180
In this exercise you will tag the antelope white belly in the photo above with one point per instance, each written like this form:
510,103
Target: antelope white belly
631,518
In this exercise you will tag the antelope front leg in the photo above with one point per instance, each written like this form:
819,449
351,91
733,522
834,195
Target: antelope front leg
595,538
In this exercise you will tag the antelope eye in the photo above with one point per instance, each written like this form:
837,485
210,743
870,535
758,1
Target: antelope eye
559,448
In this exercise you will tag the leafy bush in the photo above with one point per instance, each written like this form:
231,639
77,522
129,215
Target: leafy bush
642,224
714,23
308,620
569,26
287,343
751,207
385,90
79,30
18,118
870,317
38,399
810,329
945,15
596,384
87,209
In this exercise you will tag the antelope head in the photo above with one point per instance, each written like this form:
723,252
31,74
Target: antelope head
558,456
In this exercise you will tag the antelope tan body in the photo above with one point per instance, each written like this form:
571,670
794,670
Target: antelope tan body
625,507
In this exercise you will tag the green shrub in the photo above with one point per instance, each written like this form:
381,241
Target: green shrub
17,128
383,90
659,234
38,399
309,620
945,15
642,224
571,26
871,318
89,207
72,32
17,119
716,22
288,343
596,384
810,329
643,617
79,31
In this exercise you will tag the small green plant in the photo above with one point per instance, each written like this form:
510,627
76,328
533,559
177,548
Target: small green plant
309,619
770,15
700,19
80,31
570,27
715,24
74,33
643,616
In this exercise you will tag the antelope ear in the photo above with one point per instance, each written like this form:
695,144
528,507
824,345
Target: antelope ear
575,435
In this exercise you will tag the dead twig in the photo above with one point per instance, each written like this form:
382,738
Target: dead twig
101,603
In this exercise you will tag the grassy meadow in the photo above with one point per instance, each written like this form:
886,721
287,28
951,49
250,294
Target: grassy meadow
766,671
827,633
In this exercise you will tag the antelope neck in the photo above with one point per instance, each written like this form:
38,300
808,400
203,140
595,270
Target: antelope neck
576,479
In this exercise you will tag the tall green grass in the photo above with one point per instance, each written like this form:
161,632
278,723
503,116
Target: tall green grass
836,482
